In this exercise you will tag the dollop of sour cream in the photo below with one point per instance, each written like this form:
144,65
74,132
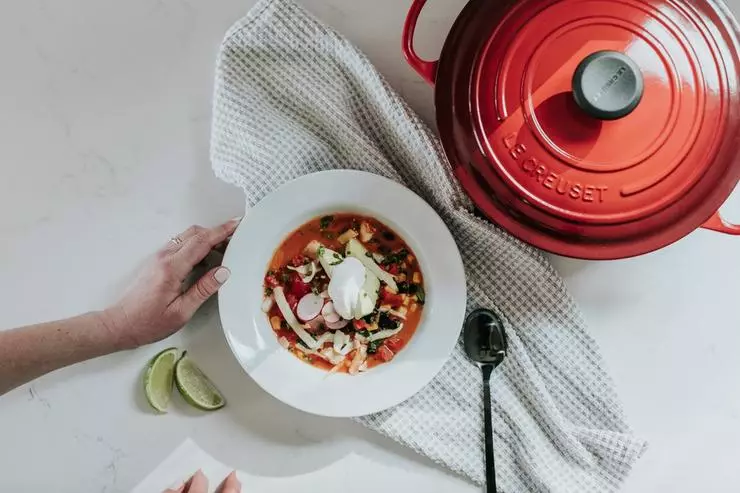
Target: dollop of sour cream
344,287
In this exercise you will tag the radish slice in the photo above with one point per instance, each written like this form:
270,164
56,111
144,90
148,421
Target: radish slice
328,308
339,324
330,314
309,307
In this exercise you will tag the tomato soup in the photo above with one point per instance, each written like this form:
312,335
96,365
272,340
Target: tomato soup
344,292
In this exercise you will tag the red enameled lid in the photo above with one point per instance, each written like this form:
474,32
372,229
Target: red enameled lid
593,128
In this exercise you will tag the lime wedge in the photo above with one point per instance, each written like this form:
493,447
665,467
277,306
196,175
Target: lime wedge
159,378
196,388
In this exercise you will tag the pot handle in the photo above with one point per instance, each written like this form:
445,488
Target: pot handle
425,68
718,223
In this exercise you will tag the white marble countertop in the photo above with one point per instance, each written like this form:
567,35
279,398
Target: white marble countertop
104,127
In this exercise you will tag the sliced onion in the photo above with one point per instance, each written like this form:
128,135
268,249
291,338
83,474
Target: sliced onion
398,314
267,304
320,342
346,349
307,271
289,317
309,307
384,334
339,324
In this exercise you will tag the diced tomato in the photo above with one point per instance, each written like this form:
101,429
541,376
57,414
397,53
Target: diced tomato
290,335
297,287
384,353
394,343
299,260
359,324
389,298
271,281
292,300
392,269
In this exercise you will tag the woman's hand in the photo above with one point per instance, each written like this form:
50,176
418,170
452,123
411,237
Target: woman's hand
199,484
156,306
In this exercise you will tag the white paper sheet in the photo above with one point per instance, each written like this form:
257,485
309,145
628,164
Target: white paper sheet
350,471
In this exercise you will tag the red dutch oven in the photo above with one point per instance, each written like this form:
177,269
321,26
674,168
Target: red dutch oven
597,129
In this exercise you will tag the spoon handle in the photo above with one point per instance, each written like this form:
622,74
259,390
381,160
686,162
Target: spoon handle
488,422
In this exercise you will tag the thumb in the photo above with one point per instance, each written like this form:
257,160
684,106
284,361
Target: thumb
203,289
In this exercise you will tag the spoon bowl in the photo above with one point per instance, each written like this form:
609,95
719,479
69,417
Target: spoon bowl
484,337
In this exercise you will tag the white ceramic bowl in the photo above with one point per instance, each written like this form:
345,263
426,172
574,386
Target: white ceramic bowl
299,384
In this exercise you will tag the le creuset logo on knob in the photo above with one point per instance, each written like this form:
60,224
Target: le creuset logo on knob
610,83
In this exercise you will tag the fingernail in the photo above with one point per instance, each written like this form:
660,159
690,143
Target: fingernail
238,483
198,474
231,484
237,219
221,275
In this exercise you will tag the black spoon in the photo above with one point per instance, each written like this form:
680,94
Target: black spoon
485,343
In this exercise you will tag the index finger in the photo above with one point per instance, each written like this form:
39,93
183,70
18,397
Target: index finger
200,244
230,485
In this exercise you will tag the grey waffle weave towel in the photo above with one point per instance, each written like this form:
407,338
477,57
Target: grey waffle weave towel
293,97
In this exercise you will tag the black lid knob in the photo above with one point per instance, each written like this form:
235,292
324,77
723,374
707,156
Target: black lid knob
608,85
